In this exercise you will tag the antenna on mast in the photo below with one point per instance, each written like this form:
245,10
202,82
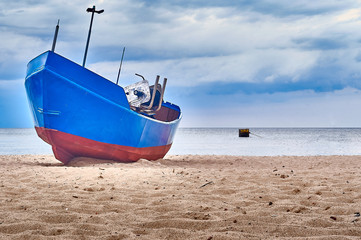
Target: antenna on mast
120,67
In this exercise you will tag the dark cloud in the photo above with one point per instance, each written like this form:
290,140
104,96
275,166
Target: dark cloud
318,79
37,32
321,43
295,8
281,8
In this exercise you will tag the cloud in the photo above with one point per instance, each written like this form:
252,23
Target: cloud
200,43
288,109
184,33
348,15
207,49
299,8
276,65
320,43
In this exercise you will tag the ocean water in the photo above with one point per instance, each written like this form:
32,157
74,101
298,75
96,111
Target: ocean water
22,141
269,141
224,141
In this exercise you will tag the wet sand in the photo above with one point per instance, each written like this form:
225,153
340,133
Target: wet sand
181,197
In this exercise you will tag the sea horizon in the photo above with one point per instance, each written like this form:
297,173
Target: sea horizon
265,141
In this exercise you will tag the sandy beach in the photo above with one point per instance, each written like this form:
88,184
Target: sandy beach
181,197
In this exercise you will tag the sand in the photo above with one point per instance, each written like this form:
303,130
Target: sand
181,197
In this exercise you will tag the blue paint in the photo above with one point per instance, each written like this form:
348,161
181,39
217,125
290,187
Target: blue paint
66,97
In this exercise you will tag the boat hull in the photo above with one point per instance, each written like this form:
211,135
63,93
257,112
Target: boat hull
68,146
81,114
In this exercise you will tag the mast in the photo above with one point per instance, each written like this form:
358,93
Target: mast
92,10
120,67
55,36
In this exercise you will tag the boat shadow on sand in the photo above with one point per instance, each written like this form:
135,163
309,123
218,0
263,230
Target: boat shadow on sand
91,162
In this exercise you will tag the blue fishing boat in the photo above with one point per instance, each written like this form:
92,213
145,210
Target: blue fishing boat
82,114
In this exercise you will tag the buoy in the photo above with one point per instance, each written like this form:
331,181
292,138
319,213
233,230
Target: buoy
244,132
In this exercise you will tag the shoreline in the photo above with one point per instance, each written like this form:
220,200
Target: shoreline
181,197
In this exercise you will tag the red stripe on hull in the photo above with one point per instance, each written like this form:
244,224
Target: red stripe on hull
68,146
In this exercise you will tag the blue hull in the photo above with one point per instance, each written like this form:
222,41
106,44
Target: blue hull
65,97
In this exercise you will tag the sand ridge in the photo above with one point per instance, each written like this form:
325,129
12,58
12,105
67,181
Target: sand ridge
181,197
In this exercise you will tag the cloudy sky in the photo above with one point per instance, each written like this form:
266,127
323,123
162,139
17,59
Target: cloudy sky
229,63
